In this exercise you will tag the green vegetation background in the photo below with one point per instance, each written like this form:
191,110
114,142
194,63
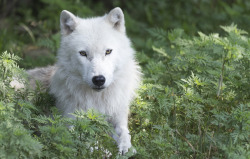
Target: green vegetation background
194,100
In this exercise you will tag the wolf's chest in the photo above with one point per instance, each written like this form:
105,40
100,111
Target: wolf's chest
98,101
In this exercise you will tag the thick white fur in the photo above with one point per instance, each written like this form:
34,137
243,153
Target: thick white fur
71,82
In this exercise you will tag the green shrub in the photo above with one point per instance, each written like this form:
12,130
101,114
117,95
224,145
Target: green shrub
195,101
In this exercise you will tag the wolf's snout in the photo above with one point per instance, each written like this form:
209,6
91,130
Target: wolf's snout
98,80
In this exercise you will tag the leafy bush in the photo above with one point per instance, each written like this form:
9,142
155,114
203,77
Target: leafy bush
195,101
15,139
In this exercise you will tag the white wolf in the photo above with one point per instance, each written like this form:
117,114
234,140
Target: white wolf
95,68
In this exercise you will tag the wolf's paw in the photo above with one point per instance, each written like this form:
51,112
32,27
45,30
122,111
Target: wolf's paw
124,149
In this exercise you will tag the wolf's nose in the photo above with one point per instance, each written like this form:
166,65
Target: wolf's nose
98,80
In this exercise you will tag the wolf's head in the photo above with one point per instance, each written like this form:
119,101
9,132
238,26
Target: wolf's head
96,49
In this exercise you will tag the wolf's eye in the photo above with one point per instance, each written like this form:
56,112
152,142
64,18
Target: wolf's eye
108,51
83,53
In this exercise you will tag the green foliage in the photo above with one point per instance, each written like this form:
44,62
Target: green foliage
15,140
195,101
88,136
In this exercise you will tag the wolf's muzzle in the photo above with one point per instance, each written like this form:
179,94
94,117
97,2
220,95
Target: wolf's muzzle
98,80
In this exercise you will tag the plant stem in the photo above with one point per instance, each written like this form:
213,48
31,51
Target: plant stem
221,78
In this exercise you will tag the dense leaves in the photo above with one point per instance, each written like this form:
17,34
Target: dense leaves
189,107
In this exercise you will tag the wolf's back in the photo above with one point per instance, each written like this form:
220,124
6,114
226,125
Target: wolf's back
41,75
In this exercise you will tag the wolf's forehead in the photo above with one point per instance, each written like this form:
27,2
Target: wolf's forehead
95,34
95,28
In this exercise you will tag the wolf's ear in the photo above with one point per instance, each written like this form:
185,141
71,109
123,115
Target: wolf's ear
68,22
116,18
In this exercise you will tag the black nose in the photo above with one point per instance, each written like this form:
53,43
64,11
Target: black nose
98,80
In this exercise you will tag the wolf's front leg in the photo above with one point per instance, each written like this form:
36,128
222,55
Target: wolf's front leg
122,135
123,139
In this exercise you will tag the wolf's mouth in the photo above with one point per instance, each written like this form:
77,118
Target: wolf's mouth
98,89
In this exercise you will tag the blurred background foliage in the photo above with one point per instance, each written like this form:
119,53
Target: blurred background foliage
31,28
194,101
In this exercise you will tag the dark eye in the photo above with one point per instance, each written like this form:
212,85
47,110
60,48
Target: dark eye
108,51
83,53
